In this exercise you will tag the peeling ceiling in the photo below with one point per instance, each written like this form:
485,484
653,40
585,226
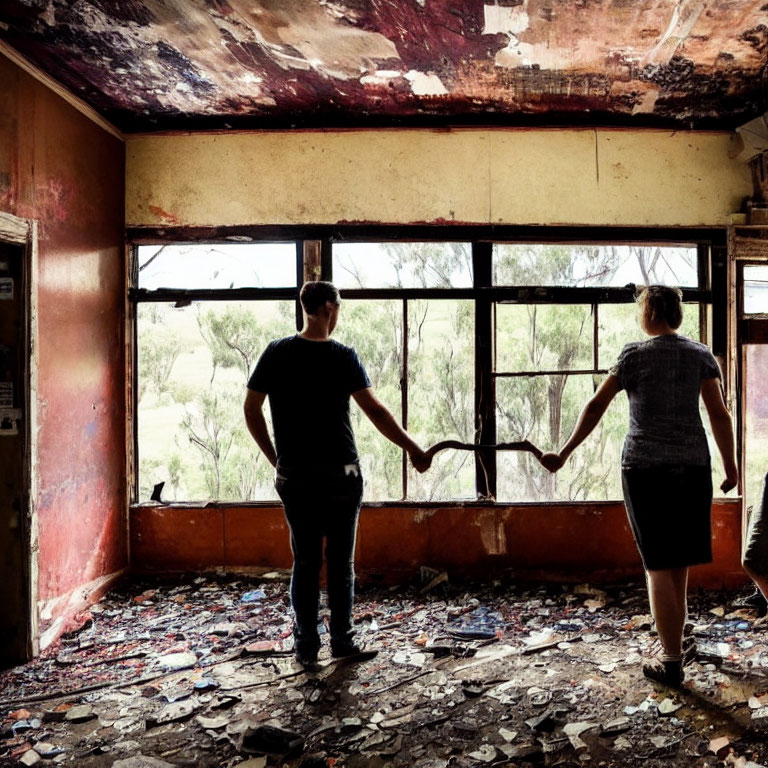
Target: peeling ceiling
150,65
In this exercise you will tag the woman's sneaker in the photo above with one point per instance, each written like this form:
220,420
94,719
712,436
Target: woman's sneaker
755,600
666,672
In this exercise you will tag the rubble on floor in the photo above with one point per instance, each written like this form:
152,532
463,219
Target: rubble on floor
200,672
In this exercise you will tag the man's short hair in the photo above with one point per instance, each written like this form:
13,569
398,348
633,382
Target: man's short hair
314,295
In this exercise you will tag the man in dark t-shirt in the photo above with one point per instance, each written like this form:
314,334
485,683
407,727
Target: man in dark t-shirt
309,379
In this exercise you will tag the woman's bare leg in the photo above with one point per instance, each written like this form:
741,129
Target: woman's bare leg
667,592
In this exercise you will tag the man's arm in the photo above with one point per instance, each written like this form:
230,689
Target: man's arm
722,429
588,419
385,422
257,424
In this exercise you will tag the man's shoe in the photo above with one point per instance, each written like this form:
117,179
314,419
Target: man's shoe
310,664
341,648
307,658
350,650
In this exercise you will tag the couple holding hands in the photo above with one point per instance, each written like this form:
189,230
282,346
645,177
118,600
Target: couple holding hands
666,475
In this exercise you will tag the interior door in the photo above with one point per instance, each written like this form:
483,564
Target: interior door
14,470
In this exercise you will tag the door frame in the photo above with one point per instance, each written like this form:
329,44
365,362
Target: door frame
747,245
24,232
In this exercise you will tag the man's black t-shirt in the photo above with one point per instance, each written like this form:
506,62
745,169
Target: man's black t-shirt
309,384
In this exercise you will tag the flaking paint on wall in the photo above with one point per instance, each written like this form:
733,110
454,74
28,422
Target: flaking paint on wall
155,64
492,533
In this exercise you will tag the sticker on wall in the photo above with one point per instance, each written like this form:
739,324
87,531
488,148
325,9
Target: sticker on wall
6,394
9,421
6,288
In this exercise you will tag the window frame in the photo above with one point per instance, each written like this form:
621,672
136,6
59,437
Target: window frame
314,261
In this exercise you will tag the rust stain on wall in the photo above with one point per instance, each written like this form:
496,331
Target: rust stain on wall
164,216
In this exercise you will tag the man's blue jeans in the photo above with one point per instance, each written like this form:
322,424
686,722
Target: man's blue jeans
321,504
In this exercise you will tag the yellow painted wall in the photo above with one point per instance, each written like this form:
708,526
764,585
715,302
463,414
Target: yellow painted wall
482,176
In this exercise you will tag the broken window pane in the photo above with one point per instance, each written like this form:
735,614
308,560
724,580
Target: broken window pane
215,265
756,289
375,330
543,337
441,400
193,366
402,265
586,266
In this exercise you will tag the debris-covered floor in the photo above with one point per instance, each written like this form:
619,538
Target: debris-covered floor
198,672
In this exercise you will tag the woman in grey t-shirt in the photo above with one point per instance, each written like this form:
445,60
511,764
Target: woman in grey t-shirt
666,474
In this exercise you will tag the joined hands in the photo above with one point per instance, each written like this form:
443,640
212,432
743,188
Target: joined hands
552,461
421,460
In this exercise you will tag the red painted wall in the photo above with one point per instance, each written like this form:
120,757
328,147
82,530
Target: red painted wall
60,168
538,543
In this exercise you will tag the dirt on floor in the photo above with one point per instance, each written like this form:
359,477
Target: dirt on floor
199,671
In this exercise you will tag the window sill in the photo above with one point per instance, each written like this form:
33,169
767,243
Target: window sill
478,504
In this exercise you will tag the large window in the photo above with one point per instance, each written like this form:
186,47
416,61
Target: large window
419,354
553,347
467,340
194,355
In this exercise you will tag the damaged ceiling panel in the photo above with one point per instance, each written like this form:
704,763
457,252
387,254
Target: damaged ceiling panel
193,64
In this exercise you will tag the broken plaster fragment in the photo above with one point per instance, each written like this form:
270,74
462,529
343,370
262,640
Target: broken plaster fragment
522,751
212,723
719,745
141,761
416,659
179,710
538,697
616,726
574,730
80,714
623,744
44,749
760,717
668,707
485,754
177,661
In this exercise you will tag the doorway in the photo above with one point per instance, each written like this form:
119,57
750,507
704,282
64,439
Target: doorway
17,561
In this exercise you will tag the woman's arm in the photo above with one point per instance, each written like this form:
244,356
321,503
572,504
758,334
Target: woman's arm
722,429
588,419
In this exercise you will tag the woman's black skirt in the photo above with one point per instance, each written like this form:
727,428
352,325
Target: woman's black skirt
669,509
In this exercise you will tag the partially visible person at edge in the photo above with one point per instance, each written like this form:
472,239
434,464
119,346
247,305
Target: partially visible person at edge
754,559
309,379
666,473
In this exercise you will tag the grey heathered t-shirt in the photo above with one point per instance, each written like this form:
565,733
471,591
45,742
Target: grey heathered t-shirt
662,377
